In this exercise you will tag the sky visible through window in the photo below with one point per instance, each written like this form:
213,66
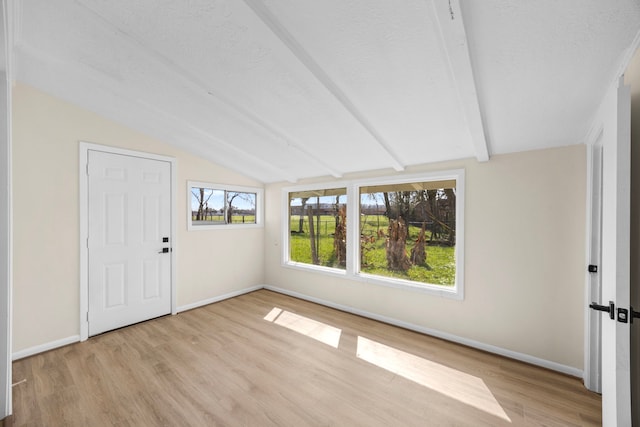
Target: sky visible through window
216,200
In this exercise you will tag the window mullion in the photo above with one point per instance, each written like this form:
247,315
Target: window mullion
224,213
286,224
353,227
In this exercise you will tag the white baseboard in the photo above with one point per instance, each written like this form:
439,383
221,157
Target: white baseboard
569,370
218,298
45,347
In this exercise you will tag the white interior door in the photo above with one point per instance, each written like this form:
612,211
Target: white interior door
129,216
616,183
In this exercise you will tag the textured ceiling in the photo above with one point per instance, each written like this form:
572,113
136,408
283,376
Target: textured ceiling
290,89
542,67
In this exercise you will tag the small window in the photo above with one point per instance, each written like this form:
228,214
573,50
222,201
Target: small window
207,206
318,227
215,205
240,207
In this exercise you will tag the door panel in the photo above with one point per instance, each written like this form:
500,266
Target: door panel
115,206
114,286
151,219
129,215
151,279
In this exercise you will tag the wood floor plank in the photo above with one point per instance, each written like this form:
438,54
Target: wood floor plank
265,359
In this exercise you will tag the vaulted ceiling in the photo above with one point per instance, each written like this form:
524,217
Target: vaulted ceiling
290,89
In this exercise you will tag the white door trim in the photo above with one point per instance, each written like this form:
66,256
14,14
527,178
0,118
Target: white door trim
84,224
616,201
9,19
592,357
6,247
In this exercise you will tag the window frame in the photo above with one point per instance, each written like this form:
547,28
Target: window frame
259,192
286,223
352,270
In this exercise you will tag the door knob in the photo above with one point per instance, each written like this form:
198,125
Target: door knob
164,251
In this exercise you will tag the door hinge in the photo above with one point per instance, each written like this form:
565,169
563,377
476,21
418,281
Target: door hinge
87,316
87,168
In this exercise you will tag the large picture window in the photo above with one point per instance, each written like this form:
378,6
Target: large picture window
402,231
408,231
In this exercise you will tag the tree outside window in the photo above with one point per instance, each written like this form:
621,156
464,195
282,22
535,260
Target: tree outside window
408,231
403,231
317,227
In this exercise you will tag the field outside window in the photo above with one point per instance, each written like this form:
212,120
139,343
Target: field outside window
408,231
402,231
317,227
212,206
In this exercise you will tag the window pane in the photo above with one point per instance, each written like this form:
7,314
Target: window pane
318,227
207,206
241,208
408,231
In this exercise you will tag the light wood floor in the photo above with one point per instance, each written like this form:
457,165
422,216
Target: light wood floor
264,359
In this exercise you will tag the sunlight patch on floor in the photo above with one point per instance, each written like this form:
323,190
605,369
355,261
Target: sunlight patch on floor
450,382
303,325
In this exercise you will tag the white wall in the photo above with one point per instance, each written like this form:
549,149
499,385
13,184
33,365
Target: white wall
46,219
524,260
632,78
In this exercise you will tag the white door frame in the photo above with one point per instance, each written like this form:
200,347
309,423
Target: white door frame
84,224
6,248
592,345
7,27
616,206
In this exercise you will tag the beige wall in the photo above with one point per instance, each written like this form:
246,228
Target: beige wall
46,132
524,260
632,77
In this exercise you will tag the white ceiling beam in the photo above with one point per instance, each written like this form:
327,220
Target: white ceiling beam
220,142
199,86
456,47
132,97
320,74
274,131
